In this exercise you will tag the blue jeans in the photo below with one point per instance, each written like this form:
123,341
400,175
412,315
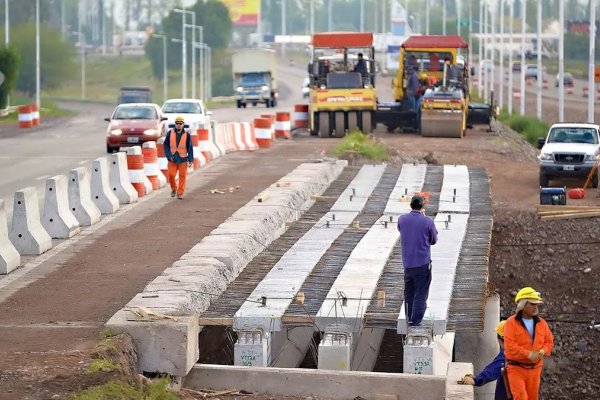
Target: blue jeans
416,291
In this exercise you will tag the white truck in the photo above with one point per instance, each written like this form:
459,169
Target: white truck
569,150
255,77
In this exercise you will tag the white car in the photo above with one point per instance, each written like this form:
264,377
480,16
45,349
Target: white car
569,150
192,110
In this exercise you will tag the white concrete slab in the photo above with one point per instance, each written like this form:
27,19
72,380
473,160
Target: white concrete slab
285,279
411,180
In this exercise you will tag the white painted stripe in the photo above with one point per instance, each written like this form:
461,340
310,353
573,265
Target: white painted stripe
283,125
263,133
25,117
151,169
163,163
136,175
286,277
302,116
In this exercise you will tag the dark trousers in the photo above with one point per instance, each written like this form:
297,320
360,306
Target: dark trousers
416,291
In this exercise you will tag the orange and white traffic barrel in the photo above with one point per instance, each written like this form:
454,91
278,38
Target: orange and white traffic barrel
151,170
271,117
35,114
516,93
135,166
194,137
301,116
249,136
204,143
283,125
25,116
163,163
262,132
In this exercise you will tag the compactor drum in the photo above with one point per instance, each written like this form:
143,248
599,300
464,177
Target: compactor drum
443,113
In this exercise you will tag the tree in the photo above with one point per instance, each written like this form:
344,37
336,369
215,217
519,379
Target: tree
56,63
212,15
9,66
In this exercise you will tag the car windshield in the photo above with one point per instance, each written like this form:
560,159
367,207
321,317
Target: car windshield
182,107
573,135
137,112
253,79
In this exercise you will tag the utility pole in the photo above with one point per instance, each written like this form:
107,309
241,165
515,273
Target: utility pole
329,15
501,79
480,78
443,17
510,57
312,16
561,61
592,66
362,15
486,49
493,47
523,31
540,76
427,5
37,53
283,26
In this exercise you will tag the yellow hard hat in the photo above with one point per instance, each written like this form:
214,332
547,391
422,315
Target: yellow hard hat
179,118
500,329
528,293
422,75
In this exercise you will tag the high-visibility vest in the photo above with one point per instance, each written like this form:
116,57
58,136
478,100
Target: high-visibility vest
182,148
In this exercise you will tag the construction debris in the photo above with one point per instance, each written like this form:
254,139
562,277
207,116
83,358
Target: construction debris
230,189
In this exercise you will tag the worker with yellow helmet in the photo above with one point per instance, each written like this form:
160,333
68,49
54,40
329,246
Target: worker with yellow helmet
493,371
527,341
179,152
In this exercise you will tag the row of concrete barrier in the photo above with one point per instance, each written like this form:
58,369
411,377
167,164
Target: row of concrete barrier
121,178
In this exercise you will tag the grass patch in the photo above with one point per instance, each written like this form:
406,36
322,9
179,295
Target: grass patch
158,390
101,364
358,143
528,127
106,333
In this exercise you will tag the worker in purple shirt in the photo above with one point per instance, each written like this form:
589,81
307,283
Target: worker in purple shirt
417,234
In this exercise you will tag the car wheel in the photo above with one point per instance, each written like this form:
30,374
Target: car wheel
109,149
544,180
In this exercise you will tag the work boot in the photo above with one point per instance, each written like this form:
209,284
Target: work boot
180,197
173,193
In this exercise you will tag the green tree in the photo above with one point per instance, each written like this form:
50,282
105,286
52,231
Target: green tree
56,57
213,15
9,66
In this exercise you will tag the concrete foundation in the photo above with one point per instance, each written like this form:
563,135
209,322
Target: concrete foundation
367,349
289,347
335,350
163,345
252,349
342,385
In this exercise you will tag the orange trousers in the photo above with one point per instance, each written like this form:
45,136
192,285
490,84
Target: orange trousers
173,169
524,382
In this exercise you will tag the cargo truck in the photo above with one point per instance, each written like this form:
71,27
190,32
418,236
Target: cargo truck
255,77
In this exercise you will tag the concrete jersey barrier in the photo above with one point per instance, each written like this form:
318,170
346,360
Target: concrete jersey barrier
9,256
58,220
80,197
119,181
27,233
102,195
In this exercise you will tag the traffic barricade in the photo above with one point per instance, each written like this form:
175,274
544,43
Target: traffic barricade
262,132
283,125
204,143
25,116
249,136
271,117
151,170
135,166
301,116
35,114
163,163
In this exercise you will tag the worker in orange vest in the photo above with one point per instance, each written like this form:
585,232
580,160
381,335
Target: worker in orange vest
180,155
527,340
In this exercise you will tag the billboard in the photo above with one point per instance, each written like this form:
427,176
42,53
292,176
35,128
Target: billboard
243,12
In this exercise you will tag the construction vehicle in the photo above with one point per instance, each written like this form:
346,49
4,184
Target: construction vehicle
445,109
342,97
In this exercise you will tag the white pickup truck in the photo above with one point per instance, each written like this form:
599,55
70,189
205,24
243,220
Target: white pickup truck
569,150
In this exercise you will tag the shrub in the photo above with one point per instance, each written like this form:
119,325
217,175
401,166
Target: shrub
358,143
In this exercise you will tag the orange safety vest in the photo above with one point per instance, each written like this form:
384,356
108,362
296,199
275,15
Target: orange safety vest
182,148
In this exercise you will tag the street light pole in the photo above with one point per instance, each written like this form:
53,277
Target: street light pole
540,77
37,53
183,53
561,61
165,76
592,66
501,79
510,57
523,30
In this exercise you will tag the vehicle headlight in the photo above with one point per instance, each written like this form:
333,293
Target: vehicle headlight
152,132
115,132
239,89
545,156
264,88
591,157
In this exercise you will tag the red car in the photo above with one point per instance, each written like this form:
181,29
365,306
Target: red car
133,124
